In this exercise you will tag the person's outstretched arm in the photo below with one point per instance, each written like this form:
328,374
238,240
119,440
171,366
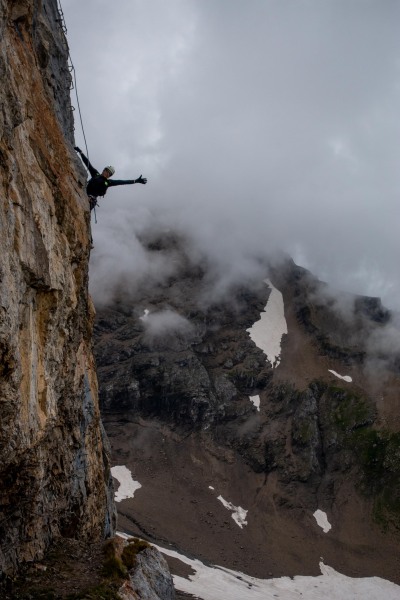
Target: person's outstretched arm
94,172
140,179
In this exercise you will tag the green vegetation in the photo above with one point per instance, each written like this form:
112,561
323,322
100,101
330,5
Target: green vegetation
100,592
94,571
113,567
117,563
131,551
243,378
38,594
377,452
351,411
304,431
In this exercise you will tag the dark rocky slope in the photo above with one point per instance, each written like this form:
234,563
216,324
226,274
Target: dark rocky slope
174,390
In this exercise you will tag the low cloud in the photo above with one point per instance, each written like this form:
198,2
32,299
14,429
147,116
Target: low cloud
383,353
285,141
165,323
121,262
386,340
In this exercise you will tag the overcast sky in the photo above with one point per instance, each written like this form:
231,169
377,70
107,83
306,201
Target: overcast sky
260,124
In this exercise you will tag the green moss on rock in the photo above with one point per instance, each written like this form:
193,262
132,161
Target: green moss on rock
349,420
131,550
378,453
304,431
99,592
349,411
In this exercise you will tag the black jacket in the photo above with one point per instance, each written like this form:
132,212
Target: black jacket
98,185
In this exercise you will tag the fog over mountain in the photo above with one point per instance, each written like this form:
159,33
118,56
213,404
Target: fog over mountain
261,127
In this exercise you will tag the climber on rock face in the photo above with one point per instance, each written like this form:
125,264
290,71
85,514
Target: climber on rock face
100,182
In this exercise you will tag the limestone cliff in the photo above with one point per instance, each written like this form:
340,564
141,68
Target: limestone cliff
54,468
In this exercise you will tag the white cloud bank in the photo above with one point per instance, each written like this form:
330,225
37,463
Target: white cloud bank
259,125
163,322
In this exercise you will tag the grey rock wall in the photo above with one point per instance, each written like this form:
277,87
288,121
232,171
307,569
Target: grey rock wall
54,467
150,580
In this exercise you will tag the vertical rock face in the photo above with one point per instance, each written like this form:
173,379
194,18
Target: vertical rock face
150,580
54,469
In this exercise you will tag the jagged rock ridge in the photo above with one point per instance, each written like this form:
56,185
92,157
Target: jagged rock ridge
175,395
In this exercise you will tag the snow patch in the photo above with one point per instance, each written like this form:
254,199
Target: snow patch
210,487
322,520
214,583
256,401
127,486
238,514
146,314
268,331
344,377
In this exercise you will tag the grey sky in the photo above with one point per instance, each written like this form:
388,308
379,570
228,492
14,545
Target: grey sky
260,124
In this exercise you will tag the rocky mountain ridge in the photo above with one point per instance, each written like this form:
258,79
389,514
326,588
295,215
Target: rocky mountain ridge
177,377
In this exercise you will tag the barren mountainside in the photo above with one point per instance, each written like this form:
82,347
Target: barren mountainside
203,420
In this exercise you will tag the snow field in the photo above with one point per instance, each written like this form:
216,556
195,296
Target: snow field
268,331
127,486
217,583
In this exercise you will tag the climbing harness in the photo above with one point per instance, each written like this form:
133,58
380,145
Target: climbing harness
92,205
92,201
